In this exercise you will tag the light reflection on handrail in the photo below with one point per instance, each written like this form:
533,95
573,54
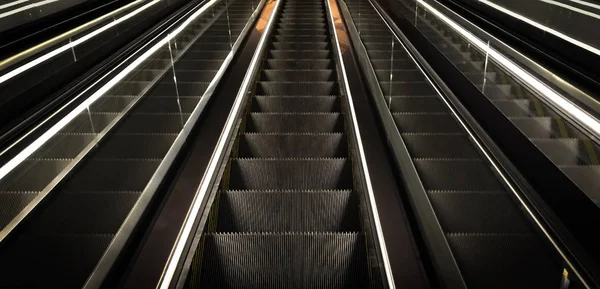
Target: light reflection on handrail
7,62
542,27
35,145
549,94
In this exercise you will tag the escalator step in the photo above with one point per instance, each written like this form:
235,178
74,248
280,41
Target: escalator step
296,88
154,123
516,108
387,54
303,26
406,88
298,64
300,45
299,54
456,174
138,173
295,103
85,212
278,174
33,174
400,75
64,146
267,260
566,151
119,146
13,203
301,38
296,122
439,146
417,104
168,104
518,261
298,75
477,211
292,145
541,127
396,64
426,123
288,211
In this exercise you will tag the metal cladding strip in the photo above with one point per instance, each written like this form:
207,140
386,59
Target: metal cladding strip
338,23
211,173
70,45
506,180
559,101
125,231
35,145
444,258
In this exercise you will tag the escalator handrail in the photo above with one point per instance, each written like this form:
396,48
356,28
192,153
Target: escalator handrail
126,230
552,88
443,259
475,132
389,275
168,278
86,31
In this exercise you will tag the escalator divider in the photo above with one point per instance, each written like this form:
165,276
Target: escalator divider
521,190
443,260
219,157
46,136
342,43
127,229
510,178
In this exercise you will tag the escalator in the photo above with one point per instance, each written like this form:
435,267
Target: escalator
562,142
489,235
287,214
126,135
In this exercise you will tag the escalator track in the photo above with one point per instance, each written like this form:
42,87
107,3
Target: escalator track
68,234
489,236
286,213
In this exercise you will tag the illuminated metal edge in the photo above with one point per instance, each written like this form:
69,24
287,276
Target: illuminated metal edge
443,259
557,82
481,147
37,48
83,106
121,237
558,101
25,8
63,48
216,159
542,27
363,162
41,123
572,8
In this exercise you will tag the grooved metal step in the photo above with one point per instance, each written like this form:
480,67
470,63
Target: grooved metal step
311,145
298,75
456,174
294,122
426,123
268,260
313,103
415,103
272,174
296,88
288,211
